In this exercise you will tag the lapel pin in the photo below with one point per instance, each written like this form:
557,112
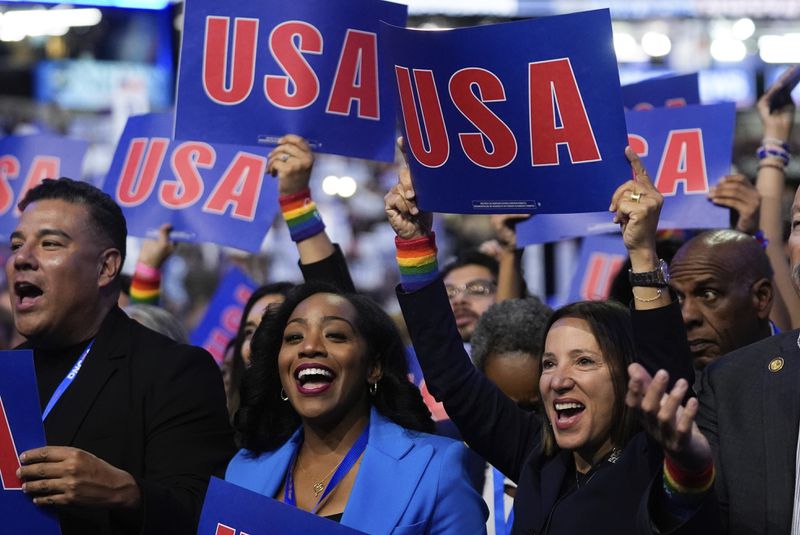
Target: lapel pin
776,364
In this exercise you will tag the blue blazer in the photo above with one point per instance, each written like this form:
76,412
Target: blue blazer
408,482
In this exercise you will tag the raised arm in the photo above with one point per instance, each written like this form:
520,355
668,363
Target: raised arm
510,282
146,282
320,259
771,182
489,421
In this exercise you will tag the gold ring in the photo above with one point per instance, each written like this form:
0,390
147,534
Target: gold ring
636,196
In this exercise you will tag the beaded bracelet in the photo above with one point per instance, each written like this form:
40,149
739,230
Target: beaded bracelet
761,238
779,167
776,142
778,152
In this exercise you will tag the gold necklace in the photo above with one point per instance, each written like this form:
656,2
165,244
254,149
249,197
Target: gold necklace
319,485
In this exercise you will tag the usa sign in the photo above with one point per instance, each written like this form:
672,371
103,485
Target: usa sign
686,151
514,117
213,193
253,70
20,430
27,160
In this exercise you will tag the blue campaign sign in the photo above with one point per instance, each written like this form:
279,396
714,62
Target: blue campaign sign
600,260
233,510
27,160
210,193
662,92
517,117
20,430
251,71
224,313
686,150
546,228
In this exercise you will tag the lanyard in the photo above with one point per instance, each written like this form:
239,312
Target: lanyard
344,467
501,526
66,381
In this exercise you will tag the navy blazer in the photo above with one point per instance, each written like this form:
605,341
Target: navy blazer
750,413
408,482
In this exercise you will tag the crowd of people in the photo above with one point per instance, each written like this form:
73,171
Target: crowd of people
668,409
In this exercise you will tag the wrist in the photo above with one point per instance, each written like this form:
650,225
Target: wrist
129,495
643,260
301,215
416,258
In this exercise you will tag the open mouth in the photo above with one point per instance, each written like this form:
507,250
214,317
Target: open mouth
313,378
567,413
26,293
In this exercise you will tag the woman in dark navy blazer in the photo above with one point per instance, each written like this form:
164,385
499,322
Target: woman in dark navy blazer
588,467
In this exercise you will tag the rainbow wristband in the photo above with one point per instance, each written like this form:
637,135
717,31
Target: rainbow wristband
417,261
146,285
301,214
685,489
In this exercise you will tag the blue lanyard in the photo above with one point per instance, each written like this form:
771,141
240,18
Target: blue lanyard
66,381
289,496
501,527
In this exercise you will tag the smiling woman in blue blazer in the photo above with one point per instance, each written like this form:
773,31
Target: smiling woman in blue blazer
330,423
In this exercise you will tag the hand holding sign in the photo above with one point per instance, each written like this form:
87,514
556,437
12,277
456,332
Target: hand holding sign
637,204
738,193
59,475
291,161
405,217
777,114
156,251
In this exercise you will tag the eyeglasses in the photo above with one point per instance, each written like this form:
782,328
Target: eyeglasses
476,288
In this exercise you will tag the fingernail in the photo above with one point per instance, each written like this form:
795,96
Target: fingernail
23,458
661,375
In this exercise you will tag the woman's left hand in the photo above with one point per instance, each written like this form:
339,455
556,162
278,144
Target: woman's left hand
637,204
666,419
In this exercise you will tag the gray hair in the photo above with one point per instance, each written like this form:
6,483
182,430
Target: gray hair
515,326
160,320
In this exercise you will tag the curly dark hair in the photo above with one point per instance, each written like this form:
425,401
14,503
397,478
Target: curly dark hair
264,422
610,323
105,214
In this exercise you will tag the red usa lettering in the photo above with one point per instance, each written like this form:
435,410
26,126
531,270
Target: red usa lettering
600,271
229,63
41,167
682,163
235,193
9,457
222,529
556,116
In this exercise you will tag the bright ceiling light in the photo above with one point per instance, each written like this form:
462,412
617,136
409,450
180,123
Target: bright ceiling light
626,48
330,185
347,187
780,48
728,49
743,29
656,44
38,22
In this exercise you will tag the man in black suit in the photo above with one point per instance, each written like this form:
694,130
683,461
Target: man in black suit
135,423
750,412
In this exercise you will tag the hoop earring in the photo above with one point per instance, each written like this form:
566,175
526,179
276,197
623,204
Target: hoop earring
373,389
284,396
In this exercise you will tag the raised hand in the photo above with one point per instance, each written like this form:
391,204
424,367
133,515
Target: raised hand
738,193
400,205
637,204
155,252
291,161
665,417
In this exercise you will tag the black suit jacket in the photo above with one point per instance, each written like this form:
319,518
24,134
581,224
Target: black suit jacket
750,412
616,498
151,407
